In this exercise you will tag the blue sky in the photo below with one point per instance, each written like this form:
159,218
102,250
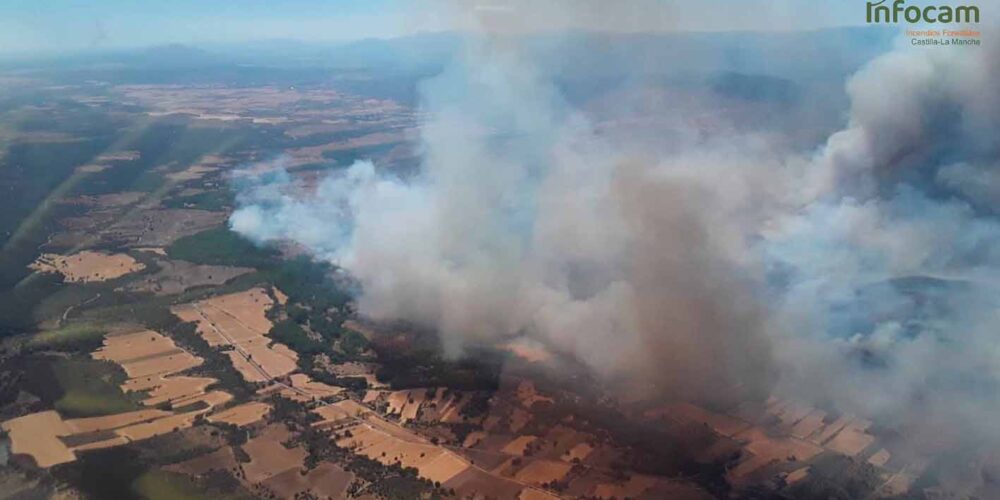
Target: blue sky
61,25
54,25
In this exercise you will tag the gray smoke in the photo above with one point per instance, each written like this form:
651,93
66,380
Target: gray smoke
861,276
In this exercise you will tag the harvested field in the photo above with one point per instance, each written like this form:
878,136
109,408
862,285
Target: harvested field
784,448
824,434
533,494
275,359
318,390
372,396
789,412
50,440
766,449
268,457
579,452
809,424
36,435
853,439
151,360
240,320
880,458
146,354
325,481
208,400
109,422
279,296
341,411
87,266
389,444
160,426
452,412
135,346
473,439
518,445
241,415
250,372
443,467
246,309
539,472
406,404
176,276
473,481
163,389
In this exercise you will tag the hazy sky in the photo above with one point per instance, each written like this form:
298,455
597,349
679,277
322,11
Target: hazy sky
61,25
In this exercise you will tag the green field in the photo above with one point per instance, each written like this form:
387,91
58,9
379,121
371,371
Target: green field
160,485
220,246
90,388
81,336
219,199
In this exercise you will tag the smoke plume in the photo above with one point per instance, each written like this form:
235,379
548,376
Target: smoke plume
860,275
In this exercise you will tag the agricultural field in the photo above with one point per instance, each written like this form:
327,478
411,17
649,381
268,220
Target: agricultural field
177,276
87,266
239,322
242,415
87,388
149,361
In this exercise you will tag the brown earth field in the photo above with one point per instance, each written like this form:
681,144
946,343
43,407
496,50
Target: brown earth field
242,415
239,320
268,457
325,481
87,266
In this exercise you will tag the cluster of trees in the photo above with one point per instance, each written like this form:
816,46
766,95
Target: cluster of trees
355,384
412,368
288,332
217,364
837,477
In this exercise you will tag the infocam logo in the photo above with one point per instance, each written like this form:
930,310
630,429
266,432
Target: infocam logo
880,13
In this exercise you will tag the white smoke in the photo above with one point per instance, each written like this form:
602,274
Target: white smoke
722,270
